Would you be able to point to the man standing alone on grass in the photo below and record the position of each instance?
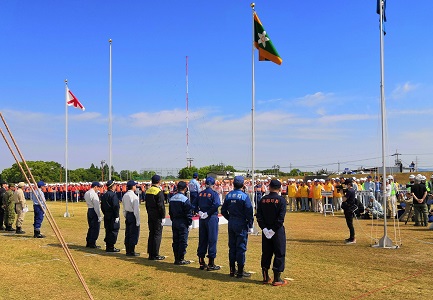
(110, 208)
(38, 209)
(155, 218)
(20, 207)
(237, 209)
(180, 211)
(271, 211)
(94, 217)
(131, 212)
(349, 207)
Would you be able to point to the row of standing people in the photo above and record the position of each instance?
(237, 209)
(14, 205)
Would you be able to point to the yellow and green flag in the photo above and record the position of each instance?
(263, 43)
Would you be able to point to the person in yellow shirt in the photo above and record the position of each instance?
(298, 195)
(303, 191)
(317, 200)
(328, 187)
(292, 189)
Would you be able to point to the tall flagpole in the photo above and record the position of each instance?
(110, 120)
(66, 214)
(188, 159)
(253, 97)
(385, 241)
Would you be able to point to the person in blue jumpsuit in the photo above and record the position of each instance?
(194, 189)
(237, 209)
(207, 206)
(179, 209)
(38, 208)
(271, 211)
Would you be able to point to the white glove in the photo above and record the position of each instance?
(271, 234)
(116, 220)
(100, 219)
(204, 216)
(200, 213)
(265, 232)
(162, 222)
(137, 224)
(251, 230)
(189, 227)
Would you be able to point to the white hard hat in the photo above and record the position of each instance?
(390, 177)
(413, 176)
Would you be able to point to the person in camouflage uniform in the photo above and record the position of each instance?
(8, 205)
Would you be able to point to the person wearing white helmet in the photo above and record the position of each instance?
(419, 194)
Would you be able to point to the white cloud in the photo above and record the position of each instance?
(345, 117)
(403, 89)
(315, 99)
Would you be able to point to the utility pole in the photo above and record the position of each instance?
(102, 169)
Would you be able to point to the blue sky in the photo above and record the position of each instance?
(320, 107)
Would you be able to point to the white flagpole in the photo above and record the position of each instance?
(110, 121)
(385, 241)
(253, 100)
(66, 214)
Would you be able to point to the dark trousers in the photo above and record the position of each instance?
(180, 238)
(132, 231)
(2, 215)
(193, 200)
(276, 246)
(208, 236)
(155, 236)
(111, 231)
(94, 226)
(349, 221)
(39, 216)
(238, 239)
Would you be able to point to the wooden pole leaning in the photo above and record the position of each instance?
(47, 212)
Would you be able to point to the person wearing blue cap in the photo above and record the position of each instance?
(131, 212)
(94, 217)
(238, 210)
(271, 210)
(207, 205)
(154, 199)
(39, 207)
(194, 189)
(110, 208)
(179, 209)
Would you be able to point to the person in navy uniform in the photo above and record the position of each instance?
(238, 210)
(3, 185)
(39, 209)
(110, 208)
(194, 189)
(94, 217)
(207, 206)
(179, 209)
(155, 218)
(271, 211)
(131, 212)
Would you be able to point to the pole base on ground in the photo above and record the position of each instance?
(385, 242)
(66, 215)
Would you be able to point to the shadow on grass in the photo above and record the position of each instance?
(164, 265)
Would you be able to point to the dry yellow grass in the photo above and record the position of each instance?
(321, 266)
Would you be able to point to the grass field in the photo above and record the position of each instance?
(320, 264)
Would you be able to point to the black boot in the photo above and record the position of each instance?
(203, 265)
(37, 234)
(232, 269)
(266, 278)
(241, 272)
(132, 251)
(19, 230)
(211, 265)
(277, 279)
(111, 248)
(9, 228)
